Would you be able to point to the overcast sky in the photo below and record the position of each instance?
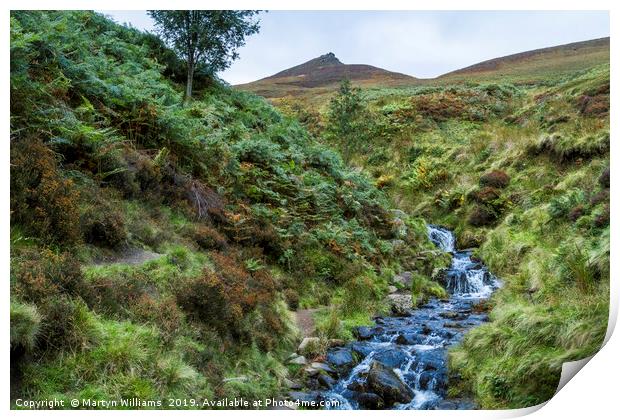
(418, 43)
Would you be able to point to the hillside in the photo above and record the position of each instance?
(314, 81)
(157, 249)
(521, 175)
(168, 251)
(535, 65)
(323, 74)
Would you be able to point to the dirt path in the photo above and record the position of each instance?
(133, 256)
(305, 321)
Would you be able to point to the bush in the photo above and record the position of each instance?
(224, 298)
(603, 180)
(25, 325)
(495, 179)
(67, 325)
(481, 216)
(292, 299)
(102, 224)
(42, 200)
(37, 274)
(208, 237)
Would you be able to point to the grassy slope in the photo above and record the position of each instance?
(249, 212)
(545, 232)
(542, 66)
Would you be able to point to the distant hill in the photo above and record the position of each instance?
(324, 72)
(319, 77)
(536, 64)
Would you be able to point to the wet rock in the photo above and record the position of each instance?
(432, 359)
(326, 381)
(314, 398)
(299, 360)
(363, 333)
(452, 315)
(292, 384)
(453, 325)
(341, 359)
(426, 330)
(392, 358)
(400, 304)
(322, 367)
(361, 349)
(357, 386)
(384, 382)
(370, 401)
(456, 404)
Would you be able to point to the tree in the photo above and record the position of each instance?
(207, 38)
(345, 119)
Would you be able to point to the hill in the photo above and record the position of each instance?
(314, 81)
(323, 74)
(532, 66)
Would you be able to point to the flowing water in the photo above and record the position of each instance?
(415, 346)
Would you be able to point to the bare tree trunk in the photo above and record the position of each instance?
(190, 81)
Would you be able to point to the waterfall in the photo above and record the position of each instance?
(442, 238)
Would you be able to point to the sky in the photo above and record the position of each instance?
(423, 44)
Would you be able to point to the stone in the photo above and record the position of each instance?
(326, 381)
(335, 342)
(400, 304)
(292, 384)
(392, 289)
(299, 360)
(322, 367)
(341, 358)
(370, 401)
(391, 358)
(363, 333)
(384, 382)
(361, 349)
(312, 397)
(309, 345)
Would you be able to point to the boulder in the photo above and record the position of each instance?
(370, 401)
(341, 359)
(292, 384)
(361, 349)
(391, 358)
(326, 381)
(363, 333)
(299, 360)
(392, 289)
(384, 382)
(324, 367)
(309, 345)
(312, 397)
(400, 304)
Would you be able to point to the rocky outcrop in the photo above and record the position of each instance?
(384, 382)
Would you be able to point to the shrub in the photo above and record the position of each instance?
(208, 237)
(25, 325)
(67, 325)
(102, 224)
(225, 297)
(481, 216)
(292, 299)
(496, 179)
(601, 217)
(164, 313)
(560, 207)
(42, 200)
(39, 273)
(603, 180)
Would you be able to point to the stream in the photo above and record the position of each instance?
(411, 351)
